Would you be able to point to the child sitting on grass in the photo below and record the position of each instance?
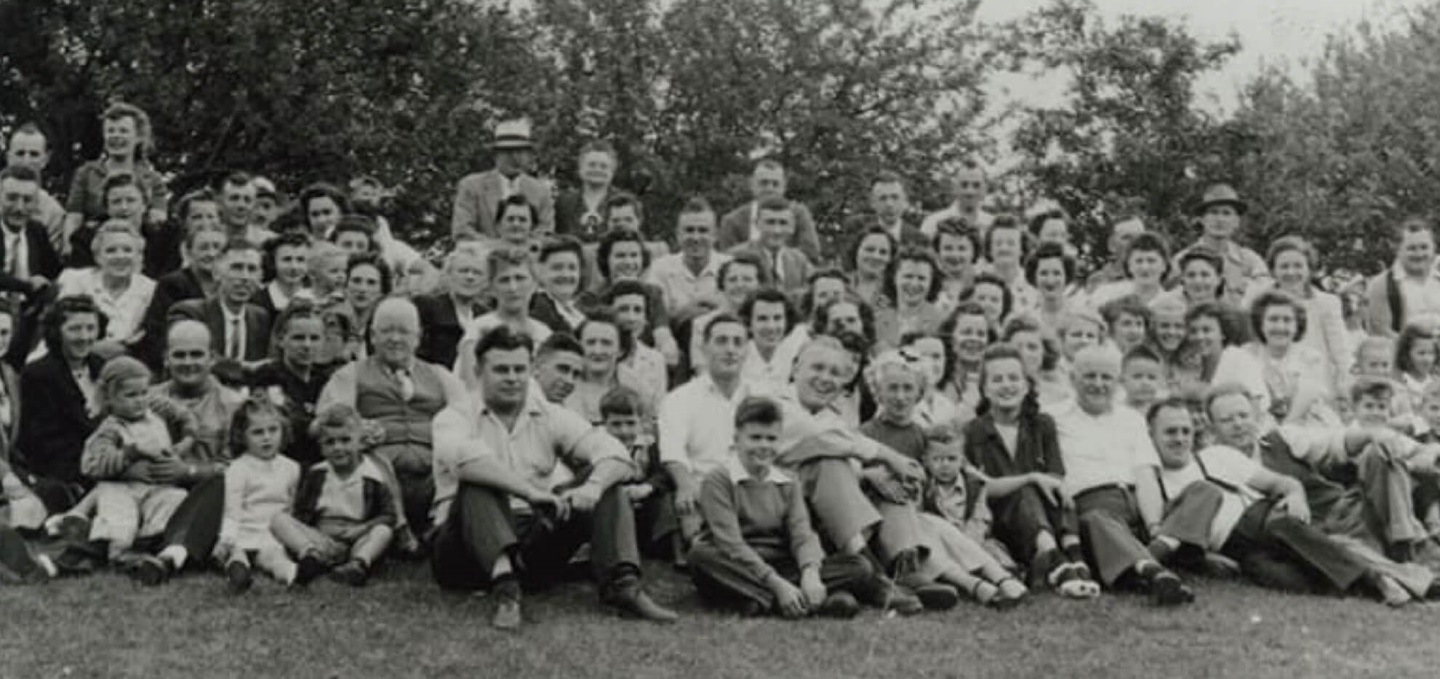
(137, 427)
(622, 411)
(259, 484)
(344, 516)
(957, 512)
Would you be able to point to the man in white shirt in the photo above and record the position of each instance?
(690, 276)
(507, 500)
(1106, 450)
(1358, 481)
(1220, 500)
(827, 456)
(695, 424)
(968, 191)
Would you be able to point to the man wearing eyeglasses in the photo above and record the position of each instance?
(968, 192)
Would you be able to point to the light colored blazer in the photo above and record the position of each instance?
(477, 196)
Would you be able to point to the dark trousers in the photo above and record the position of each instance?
(1189, 515)
(1024, 514)
(57, 496)
(1111, 530)
(723, 580)
(481, 528)
(656, 523)
(1277, 551)
(195, 525)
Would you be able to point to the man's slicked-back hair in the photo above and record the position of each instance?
(502, 338)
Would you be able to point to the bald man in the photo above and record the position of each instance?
(193, 525)
(403, 394)
(1105, 450)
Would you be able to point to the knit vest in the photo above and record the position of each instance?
(378, 398)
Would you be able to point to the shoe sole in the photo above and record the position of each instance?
(1169, 591)
(937, 598)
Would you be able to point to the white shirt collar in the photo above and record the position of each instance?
(738, 473)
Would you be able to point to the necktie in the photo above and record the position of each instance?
(12, 253)
(232, 343)
(407, 385)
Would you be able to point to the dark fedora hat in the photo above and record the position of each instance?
(1219, 194)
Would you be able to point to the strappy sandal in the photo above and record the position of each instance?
(1072, 581)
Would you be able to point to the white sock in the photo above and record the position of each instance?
(502, 568)
(176, 555)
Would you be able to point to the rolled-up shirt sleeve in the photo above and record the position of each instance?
(673, 429)
(580, 443)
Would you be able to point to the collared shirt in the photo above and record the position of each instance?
(981, 223)
(124, 313)
(819, 433)
(546, 446)
(1103, 450)
(696, 424)
(749, 519)
(343, 498)
(213, 408)
(282, 300)
(681, 287)
(775, 372)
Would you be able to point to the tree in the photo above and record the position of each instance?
(301, 92)
(1343, 158)
(1128, 134)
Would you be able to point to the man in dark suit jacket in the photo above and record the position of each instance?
(583, 212)
(30, 272)
(777, 222)
(889, 207)
(740, 225)
(239, 330)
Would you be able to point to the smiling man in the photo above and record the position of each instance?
(240, 330)
(402, 394)
(786, 267)
(823, 451)
(690, 276)
(1221, 501)
(1107, 452)
(500, 520)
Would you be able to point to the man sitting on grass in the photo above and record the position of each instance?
(499, 519)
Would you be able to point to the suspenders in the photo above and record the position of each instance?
(1165, 494)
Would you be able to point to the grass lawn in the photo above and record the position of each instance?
(403, 625)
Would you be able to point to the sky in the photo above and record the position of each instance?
(1271, 32)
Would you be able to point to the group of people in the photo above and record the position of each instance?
(257, 384)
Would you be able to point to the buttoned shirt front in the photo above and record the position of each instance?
(696, 424)
(1101, 450)
(682, 287)
(17, 253)
(546, 446)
